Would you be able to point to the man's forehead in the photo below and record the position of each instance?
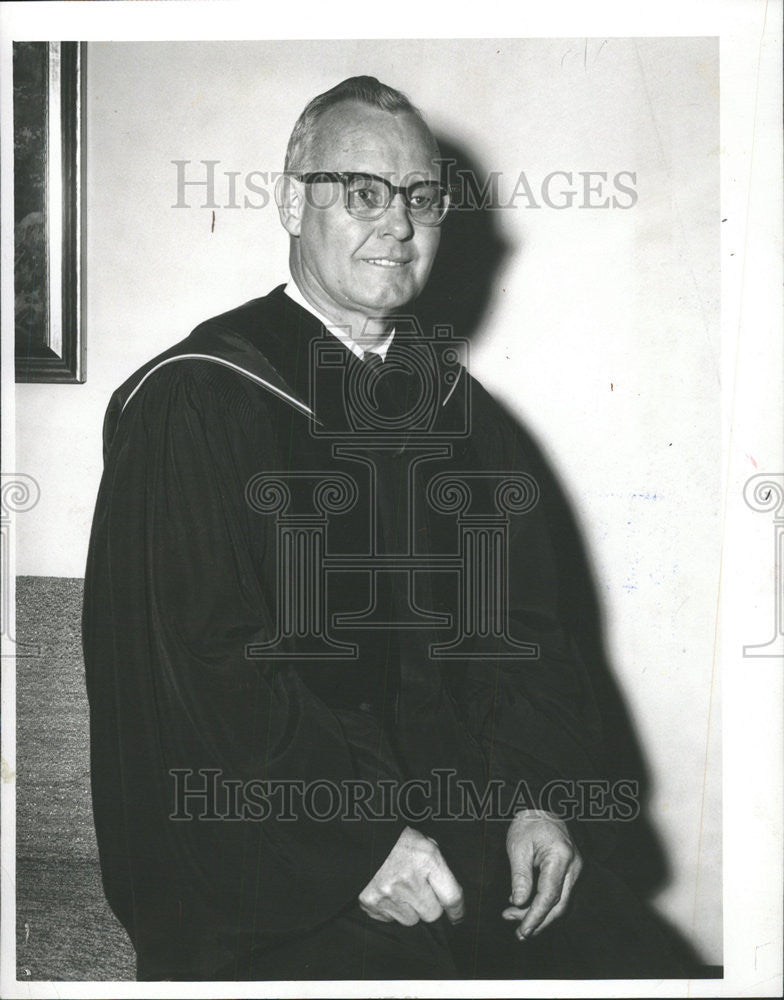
(352, 136)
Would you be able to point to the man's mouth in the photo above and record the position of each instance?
(385, 262)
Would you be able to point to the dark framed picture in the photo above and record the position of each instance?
(48, 91)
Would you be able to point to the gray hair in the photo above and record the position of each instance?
(364, 89)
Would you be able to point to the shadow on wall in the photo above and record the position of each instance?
(472, 251)
(462, 286)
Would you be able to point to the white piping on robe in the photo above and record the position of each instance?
(228, 364)
(454, 385)
(255, 378)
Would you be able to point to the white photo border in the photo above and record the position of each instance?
(751, 259)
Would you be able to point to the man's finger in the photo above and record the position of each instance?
(522, 884)
(569, 881)
(393, 903)
(549, 887)
(427, 905)
(522, 875)
(374, 912)
(403, 912)
(399, 910)
(418, 895)
(447, 890)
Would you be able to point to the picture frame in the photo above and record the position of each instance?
(48, 224)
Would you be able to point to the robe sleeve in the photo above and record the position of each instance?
(177, 586)
(537, 718)
(530, 724)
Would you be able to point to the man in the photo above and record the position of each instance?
(281, 588)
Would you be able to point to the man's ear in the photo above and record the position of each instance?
(290, 199)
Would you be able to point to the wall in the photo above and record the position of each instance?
(601, 332)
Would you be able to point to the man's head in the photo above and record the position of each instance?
(350, 268)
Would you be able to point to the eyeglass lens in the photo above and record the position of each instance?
(369, 197)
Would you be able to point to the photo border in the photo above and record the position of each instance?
(752, 781)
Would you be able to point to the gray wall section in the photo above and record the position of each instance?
(65, 929)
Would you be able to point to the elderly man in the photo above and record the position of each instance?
(281, 593)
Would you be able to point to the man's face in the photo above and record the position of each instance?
(350, 267)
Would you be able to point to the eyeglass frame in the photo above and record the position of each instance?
(345, 176)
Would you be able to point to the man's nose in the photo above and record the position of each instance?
(395, 221)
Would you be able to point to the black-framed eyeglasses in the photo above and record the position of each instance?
(368, 196)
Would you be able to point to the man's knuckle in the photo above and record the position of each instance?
(455, 897)
(559, 907)
(430, 849)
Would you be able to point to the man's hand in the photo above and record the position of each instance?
(413, 884)
(545, 866)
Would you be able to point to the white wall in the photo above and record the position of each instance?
(602, 332)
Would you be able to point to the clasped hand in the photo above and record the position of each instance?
(413, 884)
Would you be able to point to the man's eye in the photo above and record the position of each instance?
(424, 198)
(372, 197)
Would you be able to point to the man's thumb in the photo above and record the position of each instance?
(522, 883)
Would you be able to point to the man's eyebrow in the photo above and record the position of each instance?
(409, 177)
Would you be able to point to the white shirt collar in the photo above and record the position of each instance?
(293, 292)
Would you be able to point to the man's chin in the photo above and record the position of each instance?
(387, 301)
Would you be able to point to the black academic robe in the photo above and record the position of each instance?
(183, 583)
